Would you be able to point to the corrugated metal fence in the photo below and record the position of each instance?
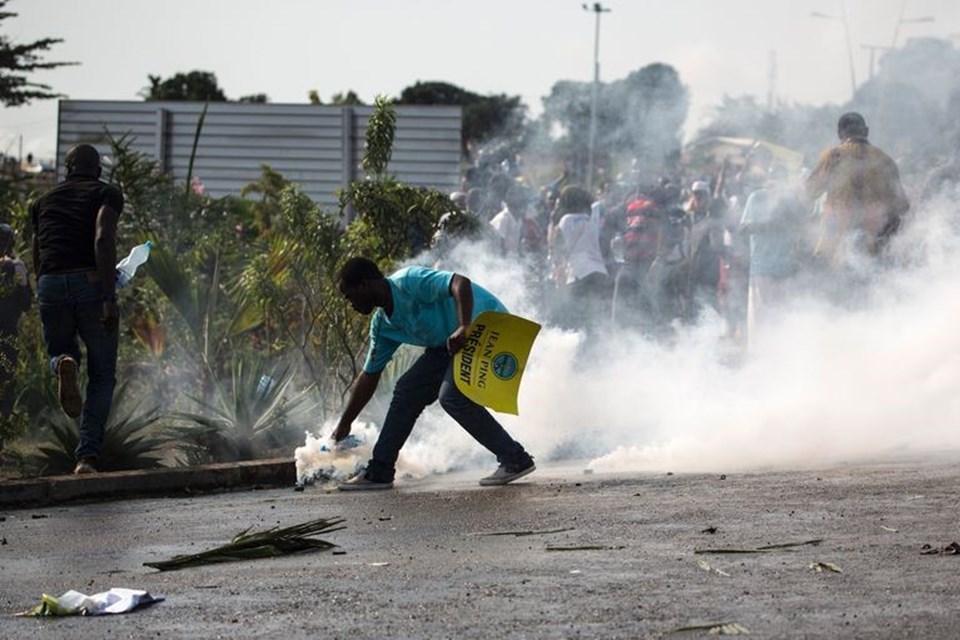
(317, 147)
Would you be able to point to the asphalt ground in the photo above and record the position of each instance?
(561, 554)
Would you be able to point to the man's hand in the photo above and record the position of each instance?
(457, 339)
(110, 316)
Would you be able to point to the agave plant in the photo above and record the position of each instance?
(132, 439)
(246, 418)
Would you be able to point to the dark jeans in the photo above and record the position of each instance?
(70, 306)
(431, 377)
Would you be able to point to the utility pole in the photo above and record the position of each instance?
(873, 48)
(772, 82)
(597, 9)
(846, 31)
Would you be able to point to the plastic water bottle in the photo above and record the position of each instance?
(265, 385)
(127, 267)
(352, 441)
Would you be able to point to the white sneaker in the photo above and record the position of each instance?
(505, 474)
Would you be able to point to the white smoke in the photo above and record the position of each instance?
(824, 383)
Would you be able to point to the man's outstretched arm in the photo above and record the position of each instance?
(360, 393)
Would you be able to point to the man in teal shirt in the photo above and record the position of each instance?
(431, 309)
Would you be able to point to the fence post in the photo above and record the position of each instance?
(349, 168)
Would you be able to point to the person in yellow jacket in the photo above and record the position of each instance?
(864, 197)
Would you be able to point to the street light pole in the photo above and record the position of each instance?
(902, 21)
(597, 9)
(846, 32)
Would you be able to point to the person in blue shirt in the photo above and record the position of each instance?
(432, 309)
(773, 219)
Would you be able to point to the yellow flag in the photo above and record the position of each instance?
(489, 367)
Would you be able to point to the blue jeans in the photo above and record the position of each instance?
(70, 306)
(431, 377)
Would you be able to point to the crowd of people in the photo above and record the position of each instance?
(648, 253)
(656, 253)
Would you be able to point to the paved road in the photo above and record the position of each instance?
(418, 565)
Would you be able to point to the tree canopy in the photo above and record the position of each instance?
(200, 86)
(638, 117)
(484, 117)
(19, 60)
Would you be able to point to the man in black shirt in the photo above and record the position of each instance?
(14, 300)
(75, 255)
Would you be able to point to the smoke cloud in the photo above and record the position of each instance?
(826, 382)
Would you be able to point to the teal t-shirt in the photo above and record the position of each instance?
(424, 313)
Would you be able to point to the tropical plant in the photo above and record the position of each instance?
(269, 187)
(198, 303)
(290, 291)
(247, 417)
(132, 439)
(395, 221)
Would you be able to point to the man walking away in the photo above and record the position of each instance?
(864, 201)
(75, 255)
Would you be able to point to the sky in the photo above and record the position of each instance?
(285, 48)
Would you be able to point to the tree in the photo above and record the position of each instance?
(653, 104)
(17, 60)
(339, 99)
(484, 117)
(908, 103)
(350, 98)
(200, 86)
(638, 117)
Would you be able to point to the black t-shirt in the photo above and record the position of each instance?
(65, 221)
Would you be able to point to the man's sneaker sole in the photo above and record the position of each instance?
(363, 485)
(68, 387)
(496, 481)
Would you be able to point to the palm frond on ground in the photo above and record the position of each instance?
(260, 544)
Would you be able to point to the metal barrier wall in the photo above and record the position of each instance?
(317, 147)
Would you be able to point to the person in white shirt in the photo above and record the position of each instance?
(508, 224)
(578, 266)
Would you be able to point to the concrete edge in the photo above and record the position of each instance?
(230, 476)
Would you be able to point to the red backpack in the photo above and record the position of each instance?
(641, 234)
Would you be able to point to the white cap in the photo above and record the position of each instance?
(700, 185)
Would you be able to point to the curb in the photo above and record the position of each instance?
(229, 476)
